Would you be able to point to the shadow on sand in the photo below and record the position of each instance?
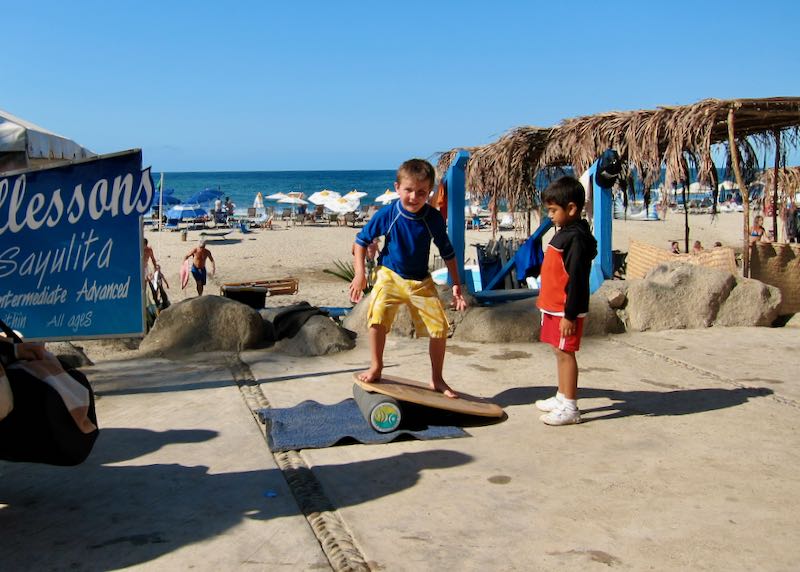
(100, 517)
(651, 403)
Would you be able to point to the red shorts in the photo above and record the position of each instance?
(551, 333)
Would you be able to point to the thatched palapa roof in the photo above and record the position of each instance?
(678, 137)
(788, 181)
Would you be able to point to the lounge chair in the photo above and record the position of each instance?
(506, 222)
(333, 217)
(172, 224)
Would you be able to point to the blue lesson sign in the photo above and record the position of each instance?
(71, 248)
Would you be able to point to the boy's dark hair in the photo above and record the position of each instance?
(417, 169)
(563, 191)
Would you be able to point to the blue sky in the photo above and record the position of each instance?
(205, 86)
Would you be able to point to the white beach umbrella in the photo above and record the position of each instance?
(276, 196)
(289, 200)
(293, 201)
(323, 196)
(387, 197)
(354, 195)
(258, 203)
(342, 205)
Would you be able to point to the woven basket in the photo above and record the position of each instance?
(643, 257)
(778, 264)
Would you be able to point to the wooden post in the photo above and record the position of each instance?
(734, 150)
(775, 186)
(685, 218)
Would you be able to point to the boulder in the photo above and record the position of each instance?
(793, 322)
(319, 336)
(603, 318)
(675, 295)
(751, 303)
(204, 324)
(615, 292)
(69, 355)
(517, 321)
(356, 320)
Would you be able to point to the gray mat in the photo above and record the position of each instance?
(311, 425)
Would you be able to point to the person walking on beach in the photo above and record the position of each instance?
(148, 256)
(199, 255)
(408, 226)
(564, 294)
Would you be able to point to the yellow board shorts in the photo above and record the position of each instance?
(420, 296)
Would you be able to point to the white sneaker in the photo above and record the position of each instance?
(548, 404)
(561, 416)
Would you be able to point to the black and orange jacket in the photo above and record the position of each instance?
(565, 271)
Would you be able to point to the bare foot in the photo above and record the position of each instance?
(371, 375)
(442, 387)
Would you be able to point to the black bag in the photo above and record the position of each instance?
(40, 429)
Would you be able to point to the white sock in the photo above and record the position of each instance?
(560, 396)
(571, 404)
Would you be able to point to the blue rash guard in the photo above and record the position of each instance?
(407, 238)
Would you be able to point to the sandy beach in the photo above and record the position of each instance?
(305, 251)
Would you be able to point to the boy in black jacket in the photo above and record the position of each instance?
(564, 295)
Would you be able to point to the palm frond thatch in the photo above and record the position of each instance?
(677, 137)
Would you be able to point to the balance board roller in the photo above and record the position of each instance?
(380, 401)
(382, 412)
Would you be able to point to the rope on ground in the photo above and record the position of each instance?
(330, 530)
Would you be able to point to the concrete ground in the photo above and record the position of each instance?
(687, 459)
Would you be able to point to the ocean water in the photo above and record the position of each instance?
(242, 187)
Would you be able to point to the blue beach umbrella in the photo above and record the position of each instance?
(205, 196)
(183, 212)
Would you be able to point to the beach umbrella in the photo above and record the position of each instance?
(323, 196)
(183, 212)
(289, 200)
(258, 202)
(165, 198)
(296, 194)
(342, 205)
(387, 197)
(276, 196)
(354, 195)
(205, 196)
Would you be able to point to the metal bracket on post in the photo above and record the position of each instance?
(455, 179)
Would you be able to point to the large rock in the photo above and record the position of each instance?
(204, 324)
(793, 322)
(318, 336)
(751, 303)
(70, 356)
(677, 296)
(356, 320)
(517, 321)
(603, 318)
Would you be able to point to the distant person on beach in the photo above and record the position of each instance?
(564, 294)
(698, 247)
(229, 207)
(758, 232)
(674, 248)
(408, 226)
(718, 244)
(148, 256)
(199, 255)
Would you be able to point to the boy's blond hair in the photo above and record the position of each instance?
(417, 169)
